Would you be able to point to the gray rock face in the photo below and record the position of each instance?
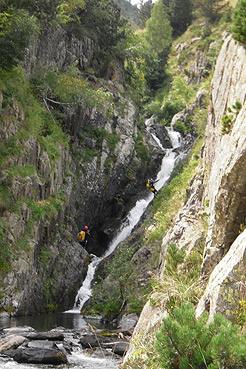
(67, 50)
(96, 190)
(226, 154)
(217, 193)
(226, 285)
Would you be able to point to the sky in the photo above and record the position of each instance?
(136, 2)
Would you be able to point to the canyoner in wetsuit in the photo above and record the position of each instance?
(151, 187)
(83, 236)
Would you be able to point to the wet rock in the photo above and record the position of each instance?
(11, 343)
(51, 336)
(120, 348)
(41, 344)
(128, 322)
(17, 330)
(88, 341)
(99, 353)
(40, 356)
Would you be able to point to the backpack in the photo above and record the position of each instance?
(81, 236)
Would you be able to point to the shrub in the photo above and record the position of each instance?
(16, 28)
(226, 124)
(239, 22)
(185, 342)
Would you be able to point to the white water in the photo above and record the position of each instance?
(131, 220)
(78, 360)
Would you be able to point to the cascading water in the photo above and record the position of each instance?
(77, 359)
(132, 218)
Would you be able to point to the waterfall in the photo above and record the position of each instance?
(132, 218)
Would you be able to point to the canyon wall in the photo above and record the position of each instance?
(92, 180)
(214, 212)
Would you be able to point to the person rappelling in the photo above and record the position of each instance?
(83, 236)
(151, 187)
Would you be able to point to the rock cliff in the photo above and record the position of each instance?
(51, 186)
(213, 214)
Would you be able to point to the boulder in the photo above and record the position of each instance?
(89, 340)
(37, 356)
(120, 348)
(128, 322)
(11, 343)
(17, 330)
(51, 336)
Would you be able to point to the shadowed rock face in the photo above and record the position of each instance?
(98, 189)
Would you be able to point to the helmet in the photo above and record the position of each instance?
(151, 179)
(86, 228)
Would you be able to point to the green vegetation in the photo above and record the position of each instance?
(180, 15)
(239, 22)
(117, 287)
(38, 124)
(227, 121)
(210, 9)
(5, 252)
(240, 313)
(16, 30)
(180, 282)
(185, 342)
(20, 20)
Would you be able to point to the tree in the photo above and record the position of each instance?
(158, 37)
(158, 30)
(209, 8)
(41, 9)
(145, 12)
(185, 342)
(104, 21)
(179, 14)
(16, 29)
(239, 22)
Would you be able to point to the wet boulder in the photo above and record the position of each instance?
(120, 348)
(50, 336)
(34, 355)
(11, 343)
(90, 341)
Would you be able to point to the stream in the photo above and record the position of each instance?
(72, 319)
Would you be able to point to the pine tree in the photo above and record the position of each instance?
(209, 8)
(158, 37)
(185, 342)
(158, 30)
(179, 14)
(239, 22)
(145, 12)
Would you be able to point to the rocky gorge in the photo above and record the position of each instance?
(92, 176)
(83, 159)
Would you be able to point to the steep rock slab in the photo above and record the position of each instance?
(225, 154)
(227, 282)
